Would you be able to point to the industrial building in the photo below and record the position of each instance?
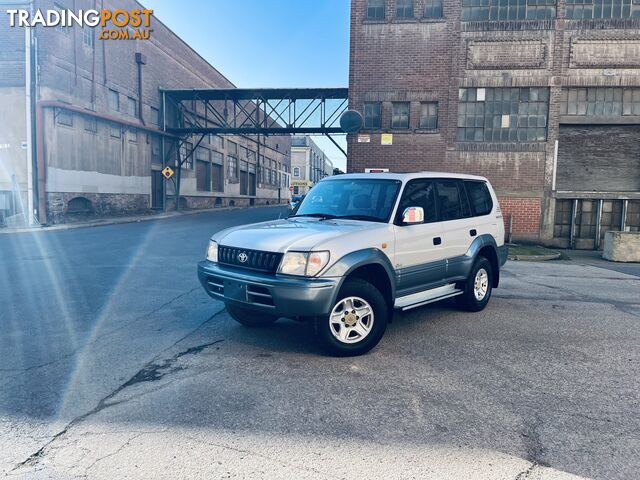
(86, 137)
(540, 96)
(309, 164)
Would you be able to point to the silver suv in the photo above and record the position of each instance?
(356, 248)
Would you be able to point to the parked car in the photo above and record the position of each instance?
(294, 202)
(358, 247)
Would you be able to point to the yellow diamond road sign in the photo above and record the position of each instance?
(167, 172)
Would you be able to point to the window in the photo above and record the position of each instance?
(296, 172)
(503, 114)
(115, 130)
(372, 199)
(232, 147)
(90, 124)
(373, 115)
(203, 176)
(155, 116)
(419, 193)
(429, 115)
(64, 117)
(87, 37)
(600, 102)
(133, 135)
(216, 141)
(233, 167)
(400, 115)
(479, 197)
(474, 10)
(452, 200)
(132, 107)
(577, 9)
(433, 9)
(375, 10)
(404, 8)
(114, 100)
(217, 157)
(187, 149)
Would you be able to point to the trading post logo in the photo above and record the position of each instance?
(113, 24)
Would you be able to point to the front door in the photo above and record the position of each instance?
(420, 261)
(157, 189)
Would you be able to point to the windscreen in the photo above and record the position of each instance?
(359, 199)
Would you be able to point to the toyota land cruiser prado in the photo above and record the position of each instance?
(356, 248)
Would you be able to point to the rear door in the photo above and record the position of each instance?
(419, 254)
(481, 207)
(457, 224)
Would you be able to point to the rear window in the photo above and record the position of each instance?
(479, 197)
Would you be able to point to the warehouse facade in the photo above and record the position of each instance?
(98, 147)
(540, 96)
(309, 164)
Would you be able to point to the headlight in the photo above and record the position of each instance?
(303, 263)
(212, 251)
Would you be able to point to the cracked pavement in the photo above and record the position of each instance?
(116, 365)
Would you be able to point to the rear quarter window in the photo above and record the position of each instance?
(479, 197)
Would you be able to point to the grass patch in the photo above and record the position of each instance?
(515, 250)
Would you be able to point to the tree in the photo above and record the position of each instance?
(337, 171)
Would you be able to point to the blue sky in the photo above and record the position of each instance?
(268, 43)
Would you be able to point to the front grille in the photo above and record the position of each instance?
(256, 259)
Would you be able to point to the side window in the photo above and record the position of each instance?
(452, 200)
(480, 198)
(419, 193)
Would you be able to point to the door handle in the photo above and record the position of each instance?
(437, 241)
(473, 232)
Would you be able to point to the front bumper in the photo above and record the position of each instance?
(281, 295)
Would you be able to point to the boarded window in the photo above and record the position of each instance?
(114, 100)
(64, 117)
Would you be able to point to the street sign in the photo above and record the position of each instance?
(167, 172)
(291, 189)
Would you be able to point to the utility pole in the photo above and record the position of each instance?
(30, 98)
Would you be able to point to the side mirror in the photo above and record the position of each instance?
(413, 215)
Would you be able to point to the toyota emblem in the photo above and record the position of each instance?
(243, 257)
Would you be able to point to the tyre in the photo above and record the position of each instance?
(248, 317)
(357, 320)
(478, 287)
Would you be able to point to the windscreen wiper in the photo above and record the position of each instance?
(322, 216)
(359, 217)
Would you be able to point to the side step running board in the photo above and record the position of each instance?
(428, 296)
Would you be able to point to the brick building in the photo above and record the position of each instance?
(309, 164)
(97, 144)
(540, 96)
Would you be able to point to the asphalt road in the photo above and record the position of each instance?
(114, 364)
